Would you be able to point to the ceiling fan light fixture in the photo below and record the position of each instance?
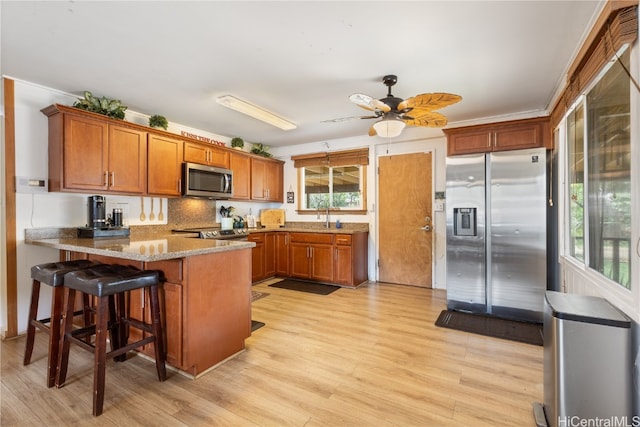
(254, 111)
(389, 127)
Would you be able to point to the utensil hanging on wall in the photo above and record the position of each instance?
(152, 216)
(161, 213)
(142, 215)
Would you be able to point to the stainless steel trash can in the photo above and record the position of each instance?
(587, 361)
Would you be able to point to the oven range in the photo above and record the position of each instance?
(216, 233)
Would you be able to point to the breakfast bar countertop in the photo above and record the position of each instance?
(143, 247)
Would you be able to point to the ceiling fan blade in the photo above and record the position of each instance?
(369, 103)
(372, 131)
(427, 119)
(344, 119)
(429, 101)
(379, 105)
(362, 100)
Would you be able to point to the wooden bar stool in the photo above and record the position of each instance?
(52, 274)
(109, 283)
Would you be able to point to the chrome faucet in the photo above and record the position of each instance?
(326, 224)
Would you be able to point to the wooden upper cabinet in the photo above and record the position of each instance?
(267, 180)
(165, 166)
(513, 135)
(240, 165)
(127, 160)
(206, 154)
(92, 154)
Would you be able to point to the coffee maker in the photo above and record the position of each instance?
(96, 212)
(98, 225)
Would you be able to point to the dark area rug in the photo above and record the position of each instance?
(255, 295)
(255, 325)
(313, 288)
(530, 333)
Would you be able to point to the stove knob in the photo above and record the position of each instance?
(241, 231)
(213, 233)
(208, 234)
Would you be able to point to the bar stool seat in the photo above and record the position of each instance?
(109, 283)
(52, 274)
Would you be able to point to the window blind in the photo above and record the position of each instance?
(358, 156)
(617, 28)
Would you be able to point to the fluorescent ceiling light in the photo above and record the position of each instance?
(389, 127)
(255, 112)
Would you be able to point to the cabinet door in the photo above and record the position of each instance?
(274, 180)
(299, 257)
(195, 153)
(85, 154)
(343, 265)
(269, 255)
(517, 137)
(172, 323)
(218, 157)
(258, 179)
(127, 160)
(240, 164)
(257, 257)
(469, 142)
(322, 263)
(165, 163)
(282, 254)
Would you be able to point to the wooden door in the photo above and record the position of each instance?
(241, 166)
(282, 254)
(269, 254)
(127, 160)
(258, 177)
(86, 150)
(165, 163)
(404, 199)
(274, 178)
(321, 262)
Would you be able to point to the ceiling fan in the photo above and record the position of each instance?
(396, 113)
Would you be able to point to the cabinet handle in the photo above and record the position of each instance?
(489, 140)
(106, 178)
(495, 140)
(179, 185)
(113, 179)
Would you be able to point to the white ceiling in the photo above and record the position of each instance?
(300, 59)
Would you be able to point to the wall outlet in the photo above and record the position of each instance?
(31, 185)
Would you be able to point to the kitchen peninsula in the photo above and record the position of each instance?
(206, 293)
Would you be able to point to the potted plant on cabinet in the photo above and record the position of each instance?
(237, 143)
(109, 107)
(158, 121)
(260, 149)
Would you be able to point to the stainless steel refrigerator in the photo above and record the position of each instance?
(496, 233)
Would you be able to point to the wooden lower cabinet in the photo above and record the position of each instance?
(257, 257)
(193, 300)
(322, 257)
(282, 254)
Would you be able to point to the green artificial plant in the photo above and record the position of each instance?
(158, 121)
(237, 142)
(260, 149)
(109, 107)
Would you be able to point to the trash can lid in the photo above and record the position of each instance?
(586, 309)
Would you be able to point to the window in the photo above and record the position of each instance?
(332, 180)
(599, 181)
(575, 151)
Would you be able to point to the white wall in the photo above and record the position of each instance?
(377, 147)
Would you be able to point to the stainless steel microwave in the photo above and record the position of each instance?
(206, 181)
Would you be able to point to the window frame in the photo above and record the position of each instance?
(338, 159)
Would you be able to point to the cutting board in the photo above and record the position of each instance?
(272, 218)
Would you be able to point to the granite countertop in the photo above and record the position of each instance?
(145, 247)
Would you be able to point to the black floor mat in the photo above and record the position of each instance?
(530, 333)
(297, 285)
(255, 325)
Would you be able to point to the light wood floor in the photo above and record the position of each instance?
(365, 357)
